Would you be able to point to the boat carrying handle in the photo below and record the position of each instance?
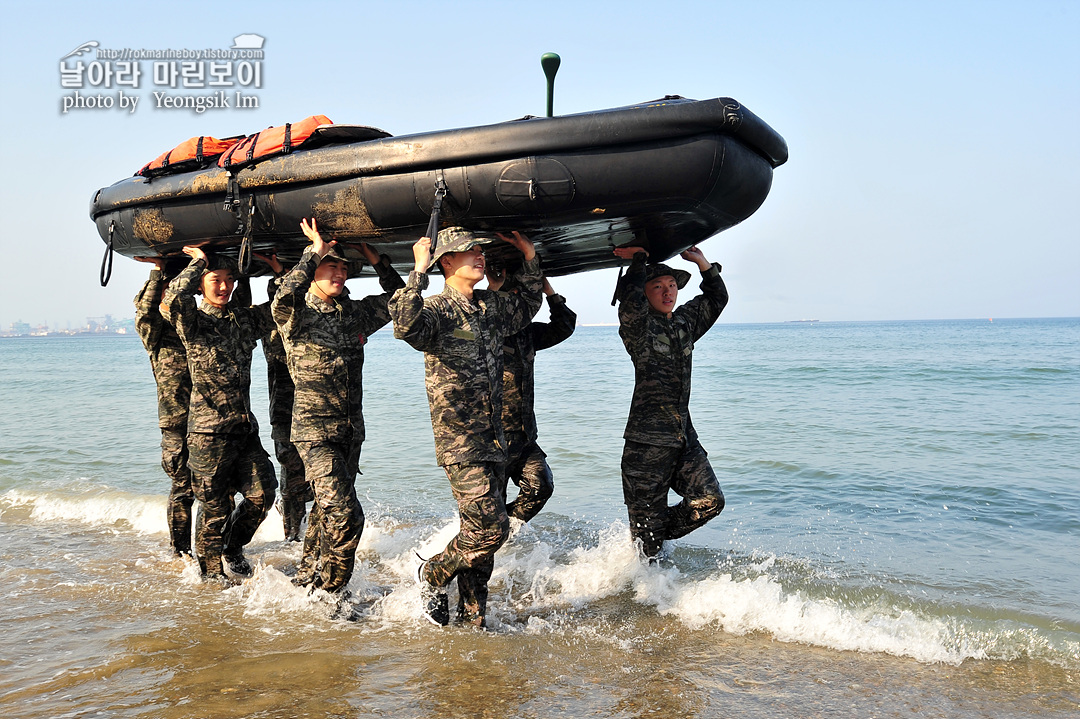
(107, 260)
(436, 209)
(243, 258)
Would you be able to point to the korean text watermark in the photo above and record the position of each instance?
(186, 79)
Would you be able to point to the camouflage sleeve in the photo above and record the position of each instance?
(702, 312)
(389, 279)
(263, 320)
(372, 313)
(178, 307)
(148, 321)
(241, 296)
(271, 293)
(633, 305)
(561, 326)
(291, 289)
(256, 320)
(523, 306)
(413, 322)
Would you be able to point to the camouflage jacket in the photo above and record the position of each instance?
(662, 351)
(278, 380)
(219, 343)
(462, 341)
(167, 356)
(519, 357)
(325, 342)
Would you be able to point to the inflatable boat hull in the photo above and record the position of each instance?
(667, 175)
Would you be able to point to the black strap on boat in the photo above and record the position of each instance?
(243, 259)
(251, 148)
(106, 261)
(618, 286)
(232, 194)
(436, 208)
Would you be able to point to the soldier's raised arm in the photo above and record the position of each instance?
(412, 323)
(562, 324)
(178, 306)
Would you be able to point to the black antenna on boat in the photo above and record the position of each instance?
(550, 62)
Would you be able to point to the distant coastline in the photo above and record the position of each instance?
(95, 327)
(66, 333)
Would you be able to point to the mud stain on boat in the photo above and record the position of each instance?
(151, 227)
(344, 211)
(209, 182)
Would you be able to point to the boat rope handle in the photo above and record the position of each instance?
(106, 261)
(243, 259)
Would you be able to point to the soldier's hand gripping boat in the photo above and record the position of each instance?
(665, 174)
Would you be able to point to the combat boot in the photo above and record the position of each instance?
(434, 604)
(238, 564)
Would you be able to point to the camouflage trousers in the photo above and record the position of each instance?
(174, 458)
(295, 490)
(222, 465)
(528, 468)
(470, 555)
(648, 473)
(337, 519)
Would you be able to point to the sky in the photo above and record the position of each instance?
(934, 146)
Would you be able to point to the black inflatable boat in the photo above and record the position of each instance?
(667, 174)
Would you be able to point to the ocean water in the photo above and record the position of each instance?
(900, 539)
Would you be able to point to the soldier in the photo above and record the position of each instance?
(461, 333)
(294, 489)
(224, 451)
(324, 332)
(169, 364)
(526, 463)
(662, 451)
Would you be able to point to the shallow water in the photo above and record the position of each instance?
(899, 539)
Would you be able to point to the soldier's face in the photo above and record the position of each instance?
(661, 293)
(217, 287)
(468, 265)
(330, 278)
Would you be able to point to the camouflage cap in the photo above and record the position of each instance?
(336, 252)
(216, 262)
(455, 239)
(659, 269)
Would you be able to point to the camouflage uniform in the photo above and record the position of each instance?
(294, 489)
(526, 463)
(224, 451)
(462, 342)
(325, 342)
(169, 363)
(662, 451)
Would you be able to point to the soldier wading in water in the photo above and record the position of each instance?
(294, 491)
(169, 363)
(526, 462)
(662, 451)
(461, 333)
(224, 451)
(324, 332)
